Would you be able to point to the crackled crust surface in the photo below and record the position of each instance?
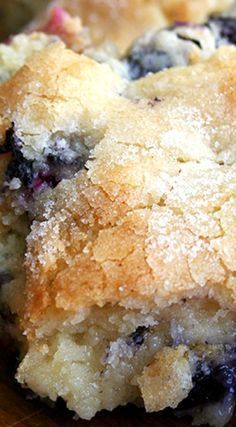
(118, 218)
(151, 219)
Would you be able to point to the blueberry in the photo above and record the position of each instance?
(43, 178)
(35, 175)
(147, 59)
(8, 146)
(211, 383)
(226, 29)
(226, 376)
(18, 167)
(172, 47)
(153, 52)
(137, 337)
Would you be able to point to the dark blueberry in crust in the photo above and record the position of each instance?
(137, 337)
(135, 340)
(38, 175)
(226, 376)
(154, 54)
(22, 169)
(19, 167)
(147, 59)
(211, 384)
(226, 29)
(44, 178)
(206, 389)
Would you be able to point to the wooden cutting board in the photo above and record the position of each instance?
(16, 410)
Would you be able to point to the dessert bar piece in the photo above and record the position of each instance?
(118, 221)
(130, 259)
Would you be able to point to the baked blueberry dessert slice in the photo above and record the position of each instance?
(117, 219)
(127, 195)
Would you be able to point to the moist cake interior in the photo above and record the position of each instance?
(104, 353)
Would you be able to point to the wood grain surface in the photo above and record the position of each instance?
(17, 409)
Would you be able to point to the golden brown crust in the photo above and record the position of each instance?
(218, 103)
(152, 219)
(52, 83)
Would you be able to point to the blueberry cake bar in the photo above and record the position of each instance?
(118, 219)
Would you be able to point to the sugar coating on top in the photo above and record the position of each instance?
(151, 217)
